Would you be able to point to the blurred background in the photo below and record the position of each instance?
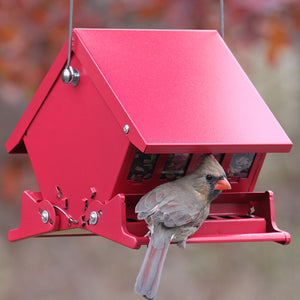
(265, 38)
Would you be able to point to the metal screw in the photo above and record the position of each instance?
(126, 128)
(45, 216)
(93, 218)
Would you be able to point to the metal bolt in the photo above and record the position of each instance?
(126, 128)
(66, 76)
(70, 75)
(45, 216)
(93, 218)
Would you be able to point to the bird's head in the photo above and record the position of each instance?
(212, 177)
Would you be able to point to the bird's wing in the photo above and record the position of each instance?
(149, 203)
(171, 205)
(176, 213)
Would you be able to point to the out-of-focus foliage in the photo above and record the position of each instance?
(32, 32)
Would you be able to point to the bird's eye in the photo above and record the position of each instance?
(209, 177)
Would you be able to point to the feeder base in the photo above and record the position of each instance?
(234, 217)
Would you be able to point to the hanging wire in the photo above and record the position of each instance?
(70, 75)
(70, 33)
(222, 17)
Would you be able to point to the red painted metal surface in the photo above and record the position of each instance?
(31, 223)
(180, 92)
(188, 86)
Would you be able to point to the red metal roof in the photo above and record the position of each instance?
(178, 90)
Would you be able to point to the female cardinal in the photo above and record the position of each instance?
(174, 211)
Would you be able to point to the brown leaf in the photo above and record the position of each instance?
(277, 39)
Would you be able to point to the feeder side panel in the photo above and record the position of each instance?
(74, 143)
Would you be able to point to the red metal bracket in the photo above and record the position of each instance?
(37, 217)
(109, 221)
(40, 216)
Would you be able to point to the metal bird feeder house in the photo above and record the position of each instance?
(148, 103)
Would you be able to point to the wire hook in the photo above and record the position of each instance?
(70, 75)
(69, 218)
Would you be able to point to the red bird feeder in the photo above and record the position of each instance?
(148, 103)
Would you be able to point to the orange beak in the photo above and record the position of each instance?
(222, 184)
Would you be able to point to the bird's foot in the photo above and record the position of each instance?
(182, 244)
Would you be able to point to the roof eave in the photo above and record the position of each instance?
(15, 143)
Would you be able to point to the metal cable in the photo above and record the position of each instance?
(70, 219)
(222, 17)
(70, 34)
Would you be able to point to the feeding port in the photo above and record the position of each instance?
(234, 216)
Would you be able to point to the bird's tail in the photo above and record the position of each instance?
(148, 279)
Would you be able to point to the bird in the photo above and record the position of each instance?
(173, 211)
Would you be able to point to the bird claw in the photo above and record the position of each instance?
(182, 244)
